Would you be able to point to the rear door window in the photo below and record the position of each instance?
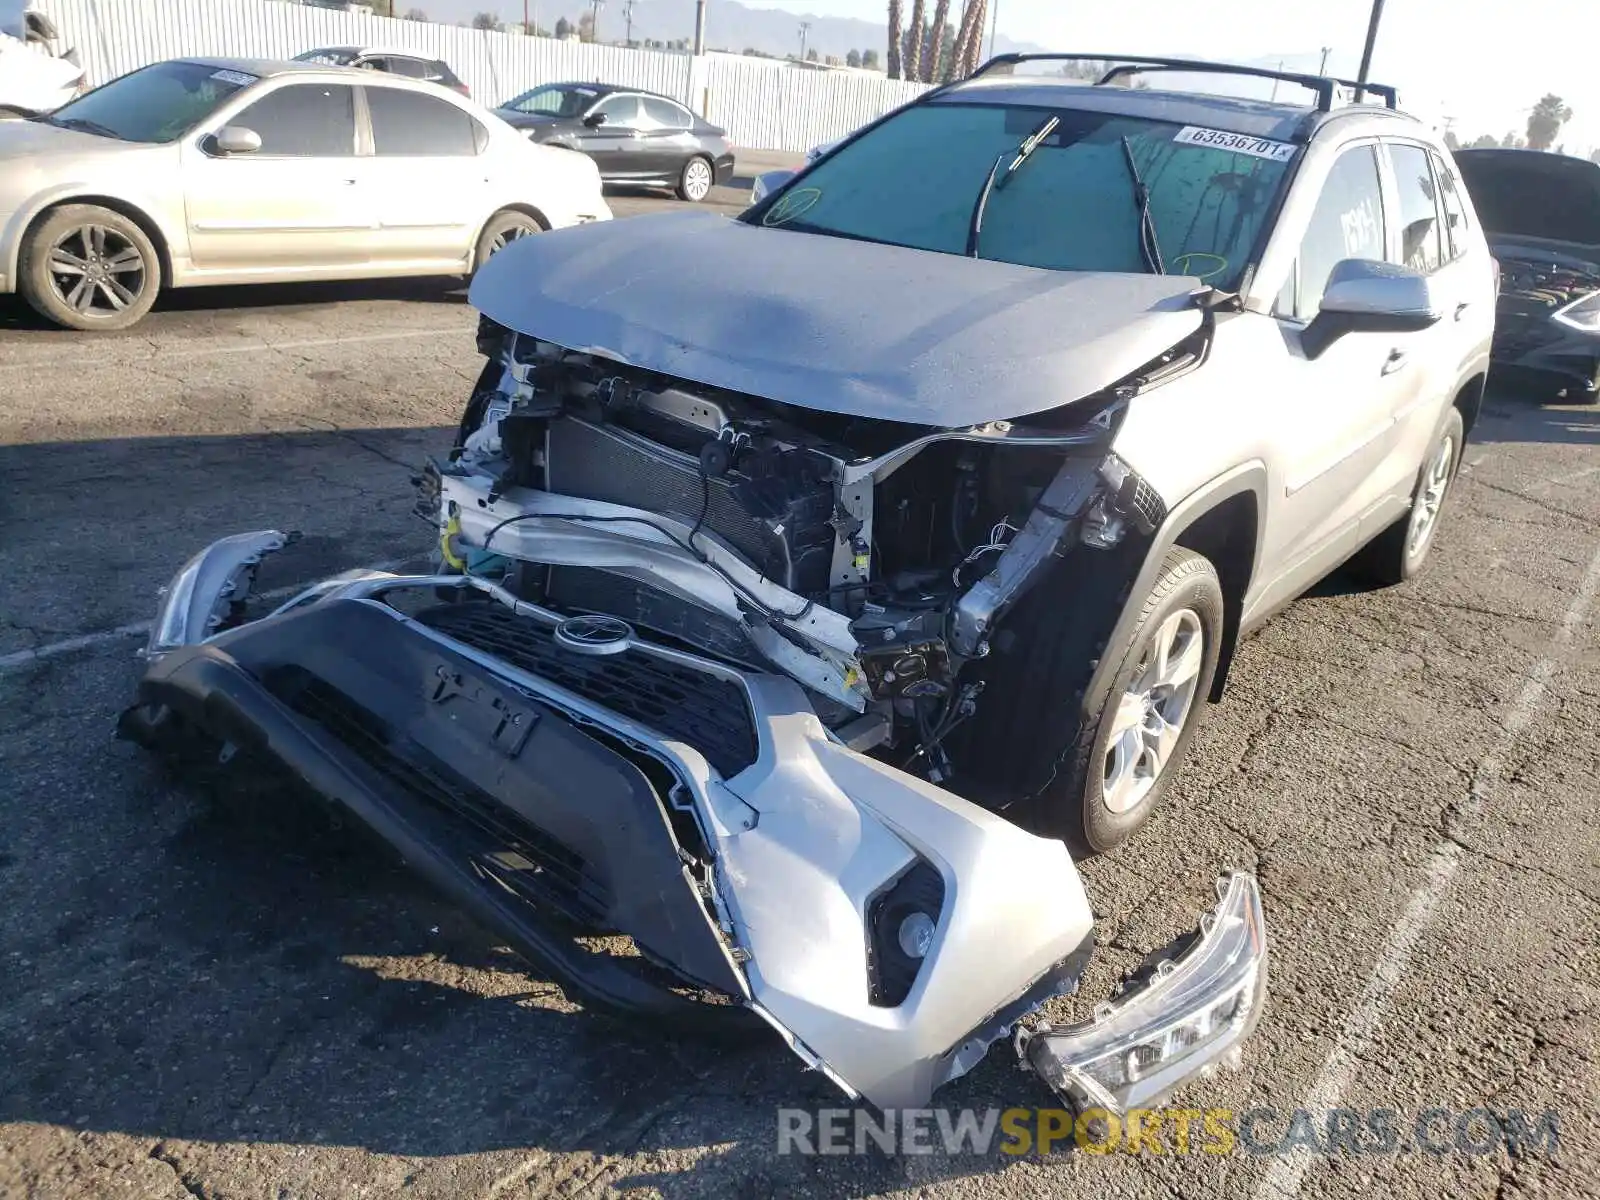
(409, 123)
(304, 120)
(1347, 223)
(1455, 213)
(1417, 195)
(663, 114)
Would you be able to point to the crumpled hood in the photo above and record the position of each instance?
(834, 324)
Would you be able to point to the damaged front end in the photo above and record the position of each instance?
(688, 672)
(563, 778)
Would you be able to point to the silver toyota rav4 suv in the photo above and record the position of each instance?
(814, 586)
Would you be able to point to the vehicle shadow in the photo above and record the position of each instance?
(285, 982)
(15, 313)
(1513, 414)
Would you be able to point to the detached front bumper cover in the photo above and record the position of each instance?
(402, 720)
(1191, 1016)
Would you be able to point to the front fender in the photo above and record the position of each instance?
(162, 213)
(1249, 478)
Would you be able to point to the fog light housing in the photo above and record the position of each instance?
(1190, 1017)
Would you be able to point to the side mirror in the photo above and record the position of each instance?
(236, 139)
(768, 182)
(595, 120)
(1366, 296)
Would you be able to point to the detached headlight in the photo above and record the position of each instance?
(1583, 314)
(1190, 1017)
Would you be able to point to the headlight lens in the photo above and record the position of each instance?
(1185, 1022)
(1581, 314)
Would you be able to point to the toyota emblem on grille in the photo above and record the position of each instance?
(594, 633)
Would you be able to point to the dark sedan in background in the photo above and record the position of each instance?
(1541, 215)
(633, 136)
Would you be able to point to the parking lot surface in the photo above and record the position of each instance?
(237, 1000)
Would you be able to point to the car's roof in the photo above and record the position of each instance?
(264, 68)
(391, 51)
(1234, 114)
(605, 89)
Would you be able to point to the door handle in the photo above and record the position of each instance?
(1462, 308)
(1397, 359)
(348, 182)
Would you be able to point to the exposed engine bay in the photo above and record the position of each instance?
(873, 561)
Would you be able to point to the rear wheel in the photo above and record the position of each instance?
(89, 268)
(694, 184)
(1399, 552)
(501, 230)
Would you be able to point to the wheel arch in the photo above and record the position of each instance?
(1221, 520)
(138, 215)
(516, 206)
(1469, 399)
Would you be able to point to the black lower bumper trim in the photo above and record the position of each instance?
(539, 829)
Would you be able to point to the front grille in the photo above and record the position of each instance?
(523, 857)
(705, 711)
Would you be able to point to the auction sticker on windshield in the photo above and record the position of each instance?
(238, 77)
(1239, 143)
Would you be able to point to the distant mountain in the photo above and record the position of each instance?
(729, 25)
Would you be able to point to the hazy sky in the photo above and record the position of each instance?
(1483, 64)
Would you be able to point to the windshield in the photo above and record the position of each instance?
(555, 100)
(1074, 205)
(153, 104)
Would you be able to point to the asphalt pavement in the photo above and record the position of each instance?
(240, 1000)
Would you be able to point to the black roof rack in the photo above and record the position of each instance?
(1138, 64)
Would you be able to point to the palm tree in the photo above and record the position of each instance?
(941, 14)
(892, 62)
(914, 37)
(969, 40)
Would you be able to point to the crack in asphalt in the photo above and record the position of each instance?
(1546, 873)
(1583, 519)
(161, 1154)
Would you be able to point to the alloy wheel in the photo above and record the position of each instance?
(97, 271)
(1153, 710)
(697, 179)
(507, 235)
(1430, 500)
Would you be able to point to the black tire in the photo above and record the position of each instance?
(1068, 734)
(1398, 554)
(89, 268)
(500, 230)
(696, 179)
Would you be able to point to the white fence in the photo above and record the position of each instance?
(761, 107)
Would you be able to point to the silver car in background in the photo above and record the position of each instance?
(229, 171)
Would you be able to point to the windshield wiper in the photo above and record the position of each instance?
(1020, 155)
(84, 125)
(1149, 247)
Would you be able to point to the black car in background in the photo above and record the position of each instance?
(1541, 215)
(397, 62)
(633, 136)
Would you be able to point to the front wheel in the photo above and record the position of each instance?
(90, 268)
(694, 184)
(1113, 753)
